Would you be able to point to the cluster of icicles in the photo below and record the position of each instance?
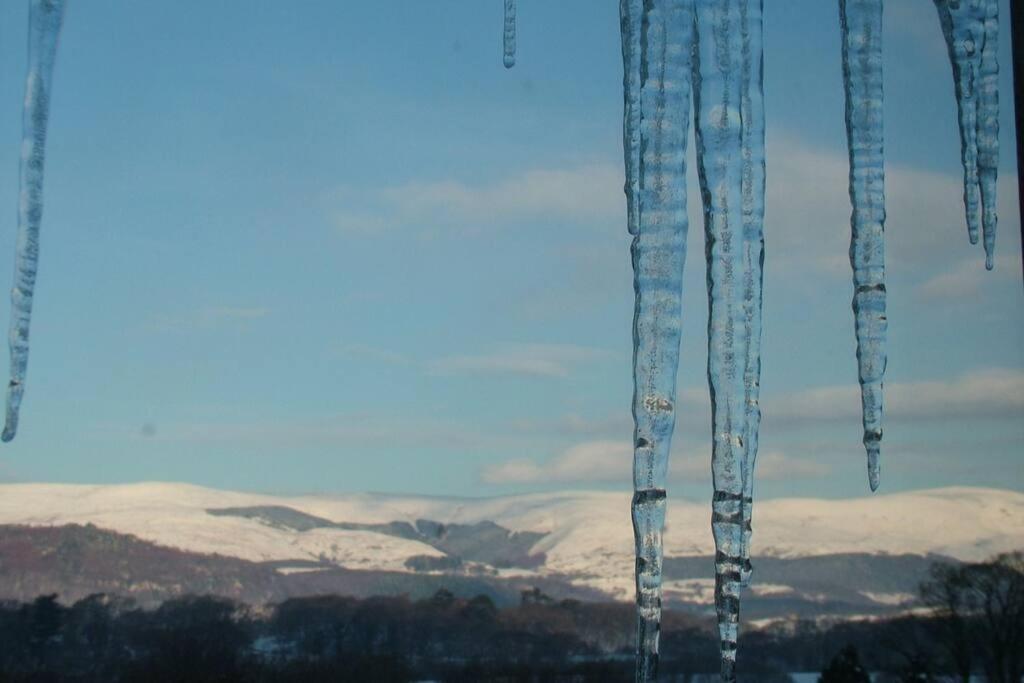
(709, 53)
(678, 52)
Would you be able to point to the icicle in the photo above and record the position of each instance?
(510, 34)
(861, 22)
(730, 154)
(971, 28)
(630, 12)
(45, 18)
(657, 37)
(753, 175)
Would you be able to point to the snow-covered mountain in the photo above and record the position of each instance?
(581, 538)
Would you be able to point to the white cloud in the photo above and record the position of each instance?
(576, 425)
(583, 193)
(342, 431)
(985, 393)
(808, 214)
(996, 393)
(777, 466)
(541, 360)
(612, 461)
(968, 279)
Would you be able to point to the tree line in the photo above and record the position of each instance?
(972, 623)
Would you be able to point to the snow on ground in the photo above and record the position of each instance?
(588, 533)
(894, 599)
(699, 591)
(175, 515)
(765, 589)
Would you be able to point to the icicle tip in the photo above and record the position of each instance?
(874, 470)
(746, 573)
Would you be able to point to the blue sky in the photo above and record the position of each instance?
(335, 246)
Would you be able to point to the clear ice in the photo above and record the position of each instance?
(657, 38)
(730, 157)
(753, 192)
(630, 13)
(45, 19)
(861, 22)
(715, 46)
(509, 38)
(971, 28)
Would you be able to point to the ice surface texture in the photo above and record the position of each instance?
(715, 46)
(657, 53)
(971, 28)
(861, 23)
(509, 37)
(45, 18)
(730, 155)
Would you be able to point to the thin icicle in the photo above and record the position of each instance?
(45, 18)
(753, 189)
(630, 12)
(988, 130)
(662, 57)
(730, 154)
(510, 34)
(971, 28)
(861, 22)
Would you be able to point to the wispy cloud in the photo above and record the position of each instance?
(808, 214)
(611, 461)
(536, 360)
(582, 193)
(208, 316)
(541, 360)
(575, 425)
(993, 393)
(968, 279)
(342, 431)
(996, 393)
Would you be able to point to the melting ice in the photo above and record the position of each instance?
(715, 45)
(971, 28)
(861, 23)
(657, 40)
(730, 156)
(509, 37)
(45, 18)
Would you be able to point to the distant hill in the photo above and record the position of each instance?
(857, 557)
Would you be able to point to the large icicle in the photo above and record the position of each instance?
(45, 18)
(861, 23)
(753, 193)
(971, 28)
(658, 37)
(509, 38)
(730, 154)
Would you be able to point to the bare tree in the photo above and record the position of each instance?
(982, 608)
(944, 592)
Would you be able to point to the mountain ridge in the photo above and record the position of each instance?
(573, 540)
